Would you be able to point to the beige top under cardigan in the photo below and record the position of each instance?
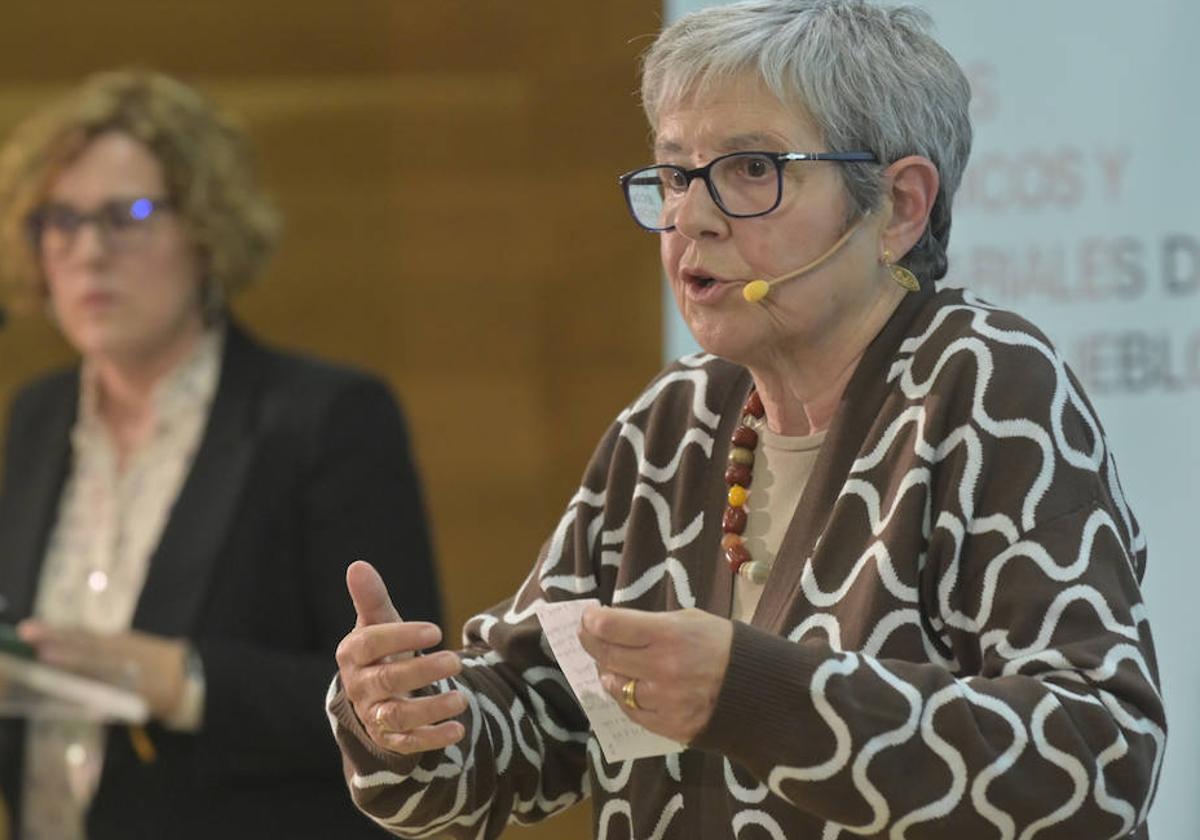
(110, 519)
(782, 465)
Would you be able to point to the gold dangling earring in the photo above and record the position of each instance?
(904, 278)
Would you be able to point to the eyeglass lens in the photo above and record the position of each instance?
(743, 184)
(55, 226)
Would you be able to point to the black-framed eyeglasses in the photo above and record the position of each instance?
(742, 184)
(122, 222)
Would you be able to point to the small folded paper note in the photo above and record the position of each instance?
(620, 738)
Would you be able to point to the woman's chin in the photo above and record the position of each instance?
(721, 339)
(102, 342)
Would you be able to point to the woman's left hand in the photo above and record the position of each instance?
(153, 666)
(678, 660)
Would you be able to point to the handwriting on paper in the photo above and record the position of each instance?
(620, 738)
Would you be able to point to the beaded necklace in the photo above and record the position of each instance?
(738, 475)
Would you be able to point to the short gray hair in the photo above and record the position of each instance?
(872, 78)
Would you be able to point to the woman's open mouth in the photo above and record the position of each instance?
(704, 288)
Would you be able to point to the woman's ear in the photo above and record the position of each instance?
(913, 187)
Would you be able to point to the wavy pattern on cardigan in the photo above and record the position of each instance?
(968, 610)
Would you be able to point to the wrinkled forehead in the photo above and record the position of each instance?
(739, 105)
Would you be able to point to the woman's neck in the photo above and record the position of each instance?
(801, 384)
(126, 386)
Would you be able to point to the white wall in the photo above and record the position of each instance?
(1081, 210)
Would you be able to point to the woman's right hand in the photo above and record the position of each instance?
(379, 672)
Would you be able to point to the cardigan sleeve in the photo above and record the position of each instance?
(1036, 709)
(524, 756)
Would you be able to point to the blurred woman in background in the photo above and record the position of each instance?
(178, 510)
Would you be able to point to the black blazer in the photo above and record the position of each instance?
(303, 467)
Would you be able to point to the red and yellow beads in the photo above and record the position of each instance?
(739, 474)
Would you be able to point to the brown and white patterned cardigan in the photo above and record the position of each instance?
(952, 643)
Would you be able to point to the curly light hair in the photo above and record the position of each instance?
(207, 167)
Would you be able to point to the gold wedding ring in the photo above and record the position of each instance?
(379, 722)
(629, 694)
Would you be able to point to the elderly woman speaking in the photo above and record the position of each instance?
(868, 558)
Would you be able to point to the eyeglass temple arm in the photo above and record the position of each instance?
(847, 157)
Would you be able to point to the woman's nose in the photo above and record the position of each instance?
(88, 243)
(697, 215)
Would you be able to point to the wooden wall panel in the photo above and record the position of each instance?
(448, 175)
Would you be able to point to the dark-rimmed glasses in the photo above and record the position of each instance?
(122, 223)
(742, 184)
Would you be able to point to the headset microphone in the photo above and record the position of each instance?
(756, 290)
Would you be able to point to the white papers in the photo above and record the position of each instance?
(620, 738)
(32, 689)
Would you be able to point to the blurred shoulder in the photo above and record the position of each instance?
(50, 393)
(305, 378)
